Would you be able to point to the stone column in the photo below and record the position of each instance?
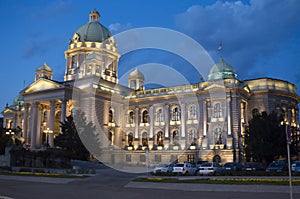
(228, 116)
(167, 120)
(51, 122)
(152, 119)
(33, 125)
(204, 118)
(63, 110)
(39, 130)
(25, 128)
(136, 121)
(183, 121)
(126, 140)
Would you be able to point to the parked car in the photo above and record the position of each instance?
(254, 166)
(184, 168)
(279, 166)
(296, 166)
(209, 168)
(198, 164)
(232, 166)
(163, 168)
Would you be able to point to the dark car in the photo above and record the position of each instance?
(254, 166)
(232, 166)
(279, 166)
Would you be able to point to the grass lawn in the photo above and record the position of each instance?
(237, 181)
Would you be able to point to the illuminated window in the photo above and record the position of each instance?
(192, 136)
(110, 116)
(218, 136)
(145, 116)
(192, 113)
(110, 137)
(130, 139)
(159, 115)
(217, 110)
(160, 138)
(175, 136)
(130, 117)
(145, 139)
(176, 114)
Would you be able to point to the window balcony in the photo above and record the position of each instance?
(144, 124)
(129, 125)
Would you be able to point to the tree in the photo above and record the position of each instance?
(265, 137)
(70, 140)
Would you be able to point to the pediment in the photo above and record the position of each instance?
(8, 110)
(42, 85)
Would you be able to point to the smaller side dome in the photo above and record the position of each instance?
(136, 80)
(44, 67)
(18, 101)
(222, 70)
(136, 74)
(43, 71)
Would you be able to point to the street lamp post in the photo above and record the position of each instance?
(288, 143)
(47, 132)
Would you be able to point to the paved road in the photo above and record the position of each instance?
(110, 184)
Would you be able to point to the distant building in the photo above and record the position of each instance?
(165, 120)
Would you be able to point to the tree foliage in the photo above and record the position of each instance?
(73, 130)
(265, 137)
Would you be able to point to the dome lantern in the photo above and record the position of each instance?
(94, 15)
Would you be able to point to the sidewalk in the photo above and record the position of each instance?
(213, 187)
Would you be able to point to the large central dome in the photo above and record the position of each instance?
(93, 31)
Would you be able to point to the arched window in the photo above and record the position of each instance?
(175, 136)
(217, 110)
(192, 113)
(130, 139)
(255, 112)
(110, 116)
(111, 138)
(130, 117)
(160, 138)
(218, 136)
(159, 115)
(192, 136)
(145, 139)
(176, 114)
(145, 117)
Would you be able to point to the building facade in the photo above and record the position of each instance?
(202, 121)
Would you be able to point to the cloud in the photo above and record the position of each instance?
(117, 27)
(54, 10)
(251, 33)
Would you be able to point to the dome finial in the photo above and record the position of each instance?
(220, 49)
(94, 15)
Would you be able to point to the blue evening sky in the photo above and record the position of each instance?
(261, 38)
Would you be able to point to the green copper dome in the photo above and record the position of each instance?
(221, 70)
(19, 100)
(93, 31)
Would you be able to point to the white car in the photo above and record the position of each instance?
(209, 168)
(163, 168)
(184, 168)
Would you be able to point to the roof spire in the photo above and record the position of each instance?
(220, 49)
(94, 15)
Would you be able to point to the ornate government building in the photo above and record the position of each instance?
(184, 123)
